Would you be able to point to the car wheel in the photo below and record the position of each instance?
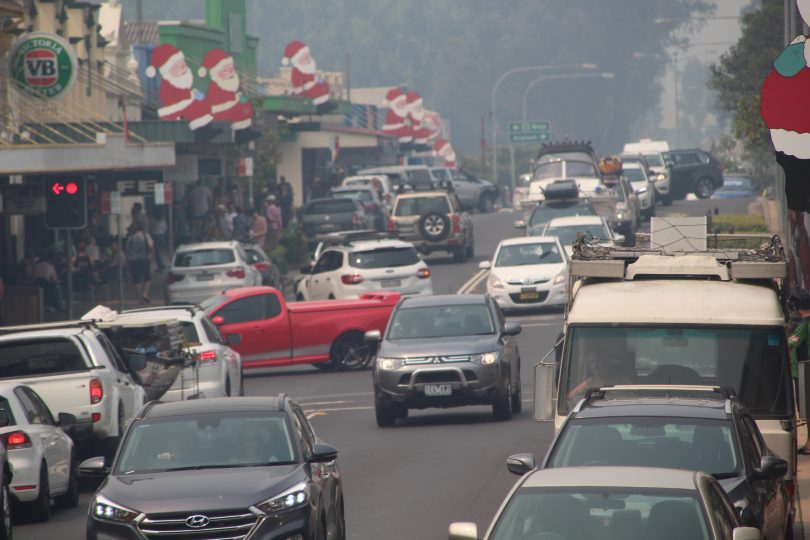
(386, 415)
(241, 384)
(340, 526)
(470, 251)
(299, 297)
(704, 187)
(486, 204)
(630, 239)
(325, 366)
(40, 509)
(666, 200)
(460, 254)
(6, 521)
(502, 406)
(330, 297)
(789, 530)
(517, 399)
(434, 226)
(227, 386)
(70, 499)
(350, 352)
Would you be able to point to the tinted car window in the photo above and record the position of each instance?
(330, 260)
(272, 306)
(717, 507)
(360, 194)
(383, 258)
(23, 358)
(420, 177)
(204, 257)
(211, 331)
(190, 331)
(441, 321)
(525, 254)
(441, 174)
(634, 175)
(6, 406)
(416, 206)
(332, 206)
(243, 310)
(45, 413)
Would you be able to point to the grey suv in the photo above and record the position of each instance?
(446, 351)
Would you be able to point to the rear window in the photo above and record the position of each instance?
(360, 194)
(332, 206)
(190, 331)
(416, 206)
(441, 174)
(31, 358)
(384, 258)
(204, 257)
(420, 177)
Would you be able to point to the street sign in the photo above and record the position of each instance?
(529, 132)
(529, 137)
(65, 203)
(159, 194)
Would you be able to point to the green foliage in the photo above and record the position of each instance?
(295, 244)
(739, 223)
(279, 256)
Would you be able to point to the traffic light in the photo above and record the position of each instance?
(66, 202)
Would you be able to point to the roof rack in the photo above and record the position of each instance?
(47, 326)
(656, 390)
(191, 308)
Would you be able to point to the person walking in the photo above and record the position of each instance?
(285, 200)
(200, 205)
(158, 229)
(274, 222)
(139, 250)
(242, 226)
(138, 217)
(44, 275)
(224, 225)
(258, 231)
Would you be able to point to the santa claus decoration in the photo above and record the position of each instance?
(443, 149)
(432, 121)
(305, 82)
(786, 112)
(396, 119)
(227, 103)
(416, 114)
(180, 101)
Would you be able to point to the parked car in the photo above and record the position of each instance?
(692, 428)
(371, 202)
(528, 272)
(75, 368)
(611, 502)
(321, 216)
(256, 256)
(414, 177)
(219, 468)
(217, 370)
(636, 175)
(267, 331)
(201, 270)
(361, 266)
(567, 229)
(433, 221)
(388, 190)
(446, 351)
(693, 171)
(41, 454)
(474, 194)
(735, 187)
(653, 154)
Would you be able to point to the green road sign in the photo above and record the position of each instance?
(43, 65)
(529, 127)
(529, 137)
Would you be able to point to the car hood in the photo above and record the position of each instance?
(194, 491)
(529, 271)
(414, 348)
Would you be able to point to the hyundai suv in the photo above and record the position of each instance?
(433, 221)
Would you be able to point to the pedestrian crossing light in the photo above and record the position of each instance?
(65, 203)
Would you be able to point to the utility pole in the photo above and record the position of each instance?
(483, 149)
(677, 103)
(348, 82)
(511, 174)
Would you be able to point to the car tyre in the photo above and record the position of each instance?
(434, 226)
(517, 399)
(325, 366)
(502, 406)
(241, 384)
(350, 352)
(40, 509)
(666, 200)
(340, 526)
(299, 297)
(470, 251)
(70, 498)
(386, 415)
(6, 520)
(704, 187)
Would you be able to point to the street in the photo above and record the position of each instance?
(437, 466)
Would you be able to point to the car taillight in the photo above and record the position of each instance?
(239, 273)
(351, 279)
(356, 220)
(388, 197)
(390, 224)
(790, 488)
(423, 273)
(372, 207)
(261, 266)
(16, 439)
(174, 278)
(456, 224)
(206, 358)
(96, 391)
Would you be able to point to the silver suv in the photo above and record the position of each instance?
(433, 221)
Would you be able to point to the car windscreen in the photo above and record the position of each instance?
(526, 254)
(634, 175)
(654, 160)
(753, 361)
(420, 177)
(331, 206)
(204, 257)
(417, 206)
(383, 257)
(544, 213)
(676, 443)
(563, 513)
(441, 322)
(39, 357)
(207, 440)
(441, 174)
(359, 194)
(567, 234)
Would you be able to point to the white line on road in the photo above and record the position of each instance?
(473, 282)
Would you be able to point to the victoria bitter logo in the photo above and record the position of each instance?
(43, 65)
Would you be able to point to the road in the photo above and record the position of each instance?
(438, 466)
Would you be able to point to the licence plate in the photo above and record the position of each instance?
(391, 282)
(433, 390)
(530, 296)
(205, 277)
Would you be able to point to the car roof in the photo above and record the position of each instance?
(443, 300)
(162, 409)
(575, 220)
(207, 245)
(392, 168)
(321, 199)
(596, 477)
(528, 240)
(416, 194)
(361, 187)
(28, 331)
(180, 313)
(361, 245)
(681, 407)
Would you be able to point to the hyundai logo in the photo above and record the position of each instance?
(197, 521)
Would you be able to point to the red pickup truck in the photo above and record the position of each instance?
(267, 331)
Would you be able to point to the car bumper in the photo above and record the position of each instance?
(472, 384)
(509, 298)
(25, 483)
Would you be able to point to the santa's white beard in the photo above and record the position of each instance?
(449, 156)
(184, 81)
(231, 85)
(401, 111)
(308, 68)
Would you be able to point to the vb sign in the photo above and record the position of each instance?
(43, 65)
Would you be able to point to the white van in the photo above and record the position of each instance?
(653, 151)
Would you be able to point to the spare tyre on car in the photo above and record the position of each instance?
(434, 226)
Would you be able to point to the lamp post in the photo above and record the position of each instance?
(502, 78)
(553, 77)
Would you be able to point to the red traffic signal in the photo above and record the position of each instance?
(66, 203)
(71, 188)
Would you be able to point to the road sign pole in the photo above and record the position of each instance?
(69, 275)
(120, 264)
(511, 172)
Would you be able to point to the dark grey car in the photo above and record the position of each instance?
(446, 351)
(321, 216)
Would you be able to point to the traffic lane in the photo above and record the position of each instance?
(702, 207)
(65, 524)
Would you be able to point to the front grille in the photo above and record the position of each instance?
(221, 525)
(541, 298)
(530, 282)
(437, 377)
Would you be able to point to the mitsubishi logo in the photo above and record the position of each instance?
(436, 360)
(197, 521)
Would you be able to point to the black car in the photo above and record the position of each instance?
(693, 171)
(704, 429)
(446, 351)
(235, 468)
(322, 216)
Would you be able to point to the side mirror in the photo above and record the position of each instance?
(544, 392)
(5, 419)
(520, 224)
(512, 328)
(520, 464)
(307, 269)
(233, 339)
(66, 421)
(373, 336)
(136, 362)
(485, 265)
(771, 468)
(219, 320)
(94, 466)
(463, 530)
(322, 453)
(746, 533)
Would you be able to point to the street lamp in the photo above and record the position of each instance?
(495, 90)
(566, 76)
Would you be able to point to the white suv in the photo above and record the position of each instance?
(217, 370)
(202, 270)
(356, 267)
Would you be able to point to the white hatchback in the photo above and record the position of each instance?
(567, 229)
(205, 269)
(354, 268)
(528, 272)
(642, 186)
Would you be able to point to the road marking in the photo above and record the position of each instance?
(313, 403)
(473, 282)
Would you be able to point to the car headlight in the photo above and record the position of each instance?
(389, 364)
(295, 497)
(619, 216)
(485, 359)
(104, 508)
(561, 277)
(661, 177)
(495, 282)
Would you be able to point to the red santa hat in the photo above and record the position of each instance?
(414, 97)
(440, 145)
(392, 95)
(212, 60)
(164, 55)
(293, 50)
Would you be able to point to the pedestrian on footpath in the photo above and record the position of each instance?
(799, 346)
(139, 251)
(242, 226)
(274, 222)
(258, 230)
(224, 225)
(285, 200)
(158, 229)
